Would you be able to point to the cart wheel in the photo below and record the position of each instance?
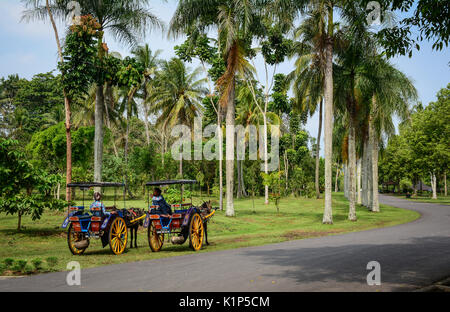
(118, 235)
(196, 232)
(72, 238)
(155, 240)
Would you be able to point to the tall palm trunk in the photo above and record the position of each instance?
(445, 183)
(352, 170)
(358, 180)
(374, 159)
(109, 99)
(328, 133)
(66, 108)
(219, 125)
(144, 103)
(266, 159)
(230, 150)
(318, 151)
(98, 136)
(336, 188)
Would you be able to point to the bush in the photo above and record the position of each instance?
(8, 262)
(37, 263)
(2, 268)
(28, 269)
(19, 266)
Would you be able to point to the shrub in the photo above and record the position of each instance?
(21, 264)
(28, 269)
(8, 262)
(37, 263)
(2, 268)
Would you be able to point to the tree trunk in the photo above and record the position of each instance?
(358, 180)
(239, 186)
(266, 160)
(318, 151)
(219, 125)
(336, 187)
(19, 221)
(286, 168)
(144, 104)
(369, 175)
(375, 205)
(98, 136)
(230, 151)
(445, 183)
(352, 171)
(109, 99)
(433, 185)
(328, 126)
(58, 189)
(346, 180)
(364, 175)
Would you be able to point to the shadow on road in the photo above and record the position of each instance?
(421, 262)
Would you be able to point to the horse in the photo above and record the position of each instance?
(132, 214)
(205, 209)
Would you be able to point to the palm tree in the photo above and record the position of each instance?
(150, 61)
(390, 92)
(235, 22)
(126, 21)
(178, 95)
(308, 75)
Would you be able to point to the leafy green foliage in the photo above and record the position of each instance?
(81, 65)
(19, 178)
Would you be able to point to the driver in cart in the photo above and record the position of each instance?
(98, 203)
(164, 207)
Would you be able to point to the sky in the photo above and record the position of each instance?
(29, 48)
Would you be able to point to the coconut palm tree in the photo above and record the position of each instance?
(178, 95)
(236, 22)
(150, 62)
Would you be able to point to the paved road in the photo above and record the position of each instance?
(410, 255)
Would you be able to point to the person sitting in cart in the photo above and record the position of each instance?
(98, 203)
(158, 199)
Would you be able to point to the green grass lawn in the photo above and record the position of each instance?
(298, 218)
(442, 200)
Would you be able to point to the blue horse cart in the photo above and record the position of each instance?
(186, 221)
(85, 223)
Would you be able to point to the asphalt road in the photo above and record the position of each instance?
(410, 255)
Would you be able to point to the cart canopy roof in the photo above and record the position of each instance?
(95, 184)
(167, 182)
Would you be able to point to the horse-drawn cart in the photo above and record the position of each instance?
(85, 224)
(186, 221)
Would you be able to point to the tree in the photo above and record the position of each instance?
(19, 178)
(308, 76)
(235, 22)
(150, 62)
(178, 95)
(427, 21)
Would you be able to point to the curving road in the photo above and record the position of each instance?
(411, 255)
